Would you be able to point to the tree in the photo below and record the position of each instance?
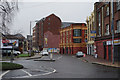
(7, 12)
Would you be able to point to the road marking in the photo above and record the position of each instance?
(73, 56)
(26, 72)
(4, 74)
(46, 73)
(59, 57)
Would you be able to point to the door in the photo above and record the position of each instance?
(117, 52)
(63, 50)
(104, 45)
(66, 50)
(109, 53)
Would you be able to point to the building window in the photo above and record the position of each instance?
(99, 26)
(107, 29)
(118, 27)
(66, 36)
(48, 18)
(107, 11)
(77, 32)
(70, 32)
(118, 5)
(78, 40)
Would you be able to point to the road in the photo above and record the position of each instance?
(65, 66)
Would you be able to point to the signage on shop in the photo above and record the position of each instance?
(116, 42)
(53, 49)
(93, 34)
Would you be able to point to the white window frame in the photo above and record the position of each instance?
(107, 11)
(107, 29)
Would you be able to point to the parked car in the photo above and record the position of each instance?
(80, 54)
(16, 53)
(6, 52)
(44, 53)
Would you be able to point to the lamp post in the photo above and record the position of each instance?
(112, 29)
(30, 40)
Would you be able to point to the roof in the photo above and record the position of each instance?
(67, 24)
(16, 36)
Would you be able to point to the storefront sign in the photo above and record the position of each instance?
(116, 42)
(93, 34)
(53, 49)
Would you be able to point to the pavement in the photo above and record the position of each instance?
(36, 56)
(99, 61)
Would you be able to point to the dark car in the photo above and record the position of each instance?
(6, 53)
(80, 54)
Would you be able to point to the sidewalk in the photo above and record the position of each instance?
(100, 61)
(35, 56)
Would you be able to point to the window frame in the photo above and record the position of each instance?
(107, 11)
(107, 29)
(77, 40)
(77, 32)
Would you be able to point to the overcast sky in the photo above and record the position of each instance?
(67, 11)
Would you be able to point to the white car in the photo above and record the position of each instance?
(16, 53)
(44, 53)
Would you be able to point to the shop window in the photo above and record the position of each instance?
(78, 40)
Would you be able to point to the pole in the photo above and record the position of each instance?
(112, 29)
(12, 54)
(30, 27)
(30, 39)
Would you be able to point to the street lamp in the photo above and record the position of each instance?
(112, 29)
(30, 40)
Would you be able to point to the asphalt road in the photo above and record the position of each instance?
(65, 66)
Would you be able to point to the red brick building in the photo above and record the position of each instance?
(72, 38)
(103, 22)
(48, 26)
(50, 40)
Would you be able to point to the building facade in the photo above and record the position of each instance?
(35, 38)
(50, 24)
(103, 22)
(29, 42)
(72, 38)
(91, 34)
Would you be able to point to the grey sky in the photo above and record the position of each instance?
(67, 11)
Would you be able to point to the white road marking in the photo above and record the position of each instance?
(73, 56)
(26, 72)
(29, 75)
(4, 74)
(59, 57)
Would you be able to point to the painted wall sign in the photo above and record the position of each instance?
(8, 43)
